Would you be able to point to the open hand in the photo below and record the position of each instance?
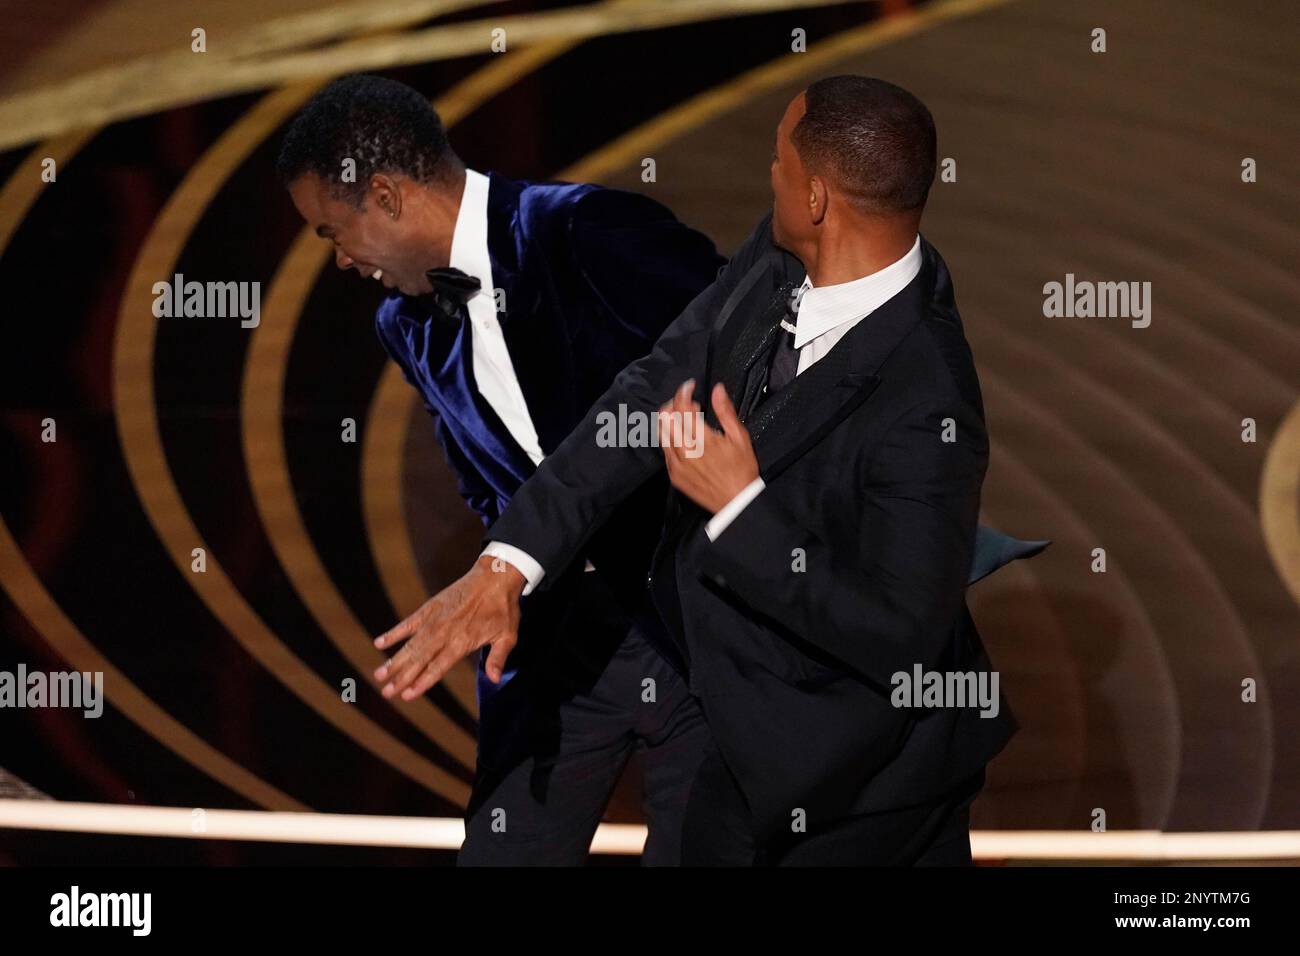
(481, 607)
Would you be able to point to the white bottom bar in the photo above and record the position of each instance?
(445, 833)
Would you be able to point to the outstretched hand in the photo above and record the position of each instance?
(481, 607)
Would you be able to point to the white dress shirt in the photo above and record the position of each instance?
(494, 373)
(825, 315)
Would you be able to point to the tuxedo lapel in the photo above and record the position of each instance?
(742, 334)
(538, 350)
(444, 355)
(496, 437)
(789, 424)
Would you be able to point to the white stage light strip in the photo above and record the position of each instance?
(443, 833)
(435, 833)
(1134, 845)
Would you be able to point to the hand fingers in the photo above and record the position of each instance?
(435, 671)
(674, 418)
(397, 633)
(670, 455)
(683, 404)
(407, 664)
(670, 439)
(394, 664)
(399, 660)
(495, 664)
(726, 412)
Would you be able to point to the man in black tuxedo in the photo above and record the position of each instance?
(815, 554)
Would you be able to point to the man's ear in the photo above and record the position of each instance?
(386, 194)
(818, 200)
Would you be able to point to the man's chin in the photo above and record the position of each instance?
(778, 234)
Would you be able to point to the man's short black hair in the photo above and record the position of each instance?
(872, 139)
(383, 125)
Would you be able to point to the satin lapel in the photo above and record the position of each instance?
(535, 340)
(447, 359)
(787, 425)
(741, 333)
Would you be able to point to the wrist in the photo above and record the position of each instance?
(502, 574)
(733, 492)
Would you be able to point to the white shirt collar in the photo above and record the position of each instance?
(827, 307)
(469, 238)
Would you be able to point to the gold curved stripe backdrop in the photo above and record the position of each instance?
(1279, 501)
(40, 608)
(135, 410)
(1162, 719)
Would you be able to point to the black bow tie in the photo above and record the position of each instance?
(452, 288)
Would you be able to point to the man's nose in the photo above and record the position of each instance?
(342, 259)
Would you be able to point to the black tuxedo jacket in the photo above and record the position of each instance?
(849, 568)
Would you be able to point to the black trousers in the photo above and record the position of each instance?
(556, 737)
(716, 830)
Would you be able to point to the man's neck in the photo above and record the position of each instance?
(860, 249)
(438, 209)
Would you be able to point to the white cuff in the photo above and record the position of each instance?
(520, 560)
(727, 513)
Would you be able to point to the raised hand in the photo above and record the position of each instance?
(715, 466)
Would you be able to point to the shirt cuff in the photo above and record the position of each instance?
(727, 513)
(520, 560)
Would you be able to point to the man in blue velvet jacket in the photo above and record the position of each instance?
(515, 306)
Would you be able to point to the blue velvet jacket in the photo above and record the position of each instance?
(590, 276)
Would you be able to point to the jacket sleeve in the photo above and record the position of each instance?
(576, 487)
(481, 499)
(889, 600)
(641, 263)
